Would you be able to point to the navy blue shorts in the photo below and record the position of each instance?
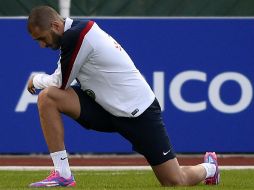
(146, 133)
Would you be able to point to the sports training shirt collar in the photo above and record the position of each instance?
(67, 24)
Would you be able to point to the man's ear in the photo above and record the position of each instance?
(56, 26)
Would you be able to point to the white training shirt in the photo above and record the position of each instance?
(103, 69)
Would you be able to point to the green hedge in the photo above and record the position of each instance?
(137, 7)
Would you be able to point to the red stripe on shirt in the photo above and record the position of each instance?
(75, 53)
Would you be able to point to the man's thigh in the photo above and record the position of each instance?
(66, 101)
(148, 135)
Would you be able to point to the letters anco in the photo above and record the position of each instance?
(175, 88)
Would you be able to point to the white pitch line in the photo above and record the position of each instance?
(87, 168)
(236, 167)
(104, 168)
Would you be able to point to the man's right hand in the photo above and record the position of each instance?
(30, 86)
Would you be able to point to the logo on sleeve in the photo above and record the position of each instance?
(90, 93)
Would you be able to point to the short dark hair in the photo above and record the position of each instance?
(42, 17)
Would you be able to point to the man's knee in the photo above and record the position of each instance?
(172, 180)
(46, 97)
(170, 173)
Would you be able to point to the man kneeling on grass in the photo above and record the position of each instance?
(111, 96)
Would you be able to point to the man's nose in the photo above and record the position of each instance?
(42, 44)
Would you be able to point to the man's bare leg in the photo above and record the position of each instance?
(170, 173)
(51, 103)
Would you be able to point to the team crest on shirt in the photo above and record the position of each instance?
(90, 93)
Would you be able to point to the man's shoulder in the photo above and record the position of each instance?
(76, 27)
(71, 36)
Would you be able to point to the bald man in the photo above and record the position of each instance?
(111, 96)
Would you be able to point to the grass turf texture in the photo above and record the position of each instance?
(139, 180)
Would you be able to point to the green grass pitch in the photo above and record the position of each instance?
(123, 180)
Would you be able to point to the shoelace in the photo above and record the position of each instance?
(52, 174)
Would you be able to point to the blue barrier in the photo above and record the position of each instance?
(200, 69)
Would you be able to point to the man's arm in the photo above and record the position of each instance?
(30, 86)
(41, 81)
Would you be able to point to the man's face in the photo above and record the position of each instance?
(46, 38)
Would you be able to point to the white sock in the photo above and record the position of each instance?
(209, 168)
(61, 163)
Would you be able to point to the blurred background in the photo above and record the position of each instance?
(197, 56)
(145, 8)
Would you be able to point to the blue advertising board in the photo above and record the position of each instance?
(201, 70)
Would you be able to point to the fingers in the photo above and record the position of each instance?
(31, 87)
(32, 90)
